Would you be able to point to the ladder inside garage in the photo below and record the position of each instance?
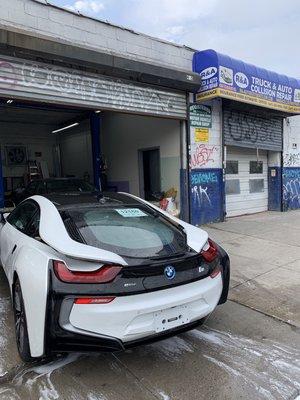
(34, 171)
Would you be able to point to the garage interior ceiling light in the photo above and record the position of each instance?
(9, 101)
(65, 127)
(98, 111)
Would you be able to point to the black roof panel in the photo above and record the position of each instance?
(71, 200)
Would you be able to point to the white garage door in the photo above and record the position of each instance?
(246, 181)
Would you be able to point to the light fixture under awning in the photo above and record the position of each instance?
(65, 127)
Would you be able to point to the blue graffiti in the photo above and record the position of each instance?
(199, 178)
(206, 195)
(293, 173)
(291, 188)
(200, 196)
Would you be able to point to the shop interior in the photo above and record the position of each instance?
(138, 154)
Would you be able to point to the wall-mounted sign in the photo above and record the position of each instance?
(201, 134)
(222, 76)
(16, 155)
(200, 116)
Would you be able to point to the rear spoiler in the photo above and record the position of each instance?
(54, 233)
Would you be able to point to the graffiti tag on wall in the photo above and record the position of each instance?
(253, 129)
(200, 182)
(8, 76)
(205, 195)
(204, 155)
(291, 159)
(291, 188)
(38, 78)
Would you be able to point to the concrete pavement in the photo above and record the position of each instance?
(240, 353)
(265, 258)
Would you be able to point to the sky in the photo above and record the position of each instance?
(262, 32)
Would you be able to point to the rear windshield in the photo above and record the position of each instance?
(72, 185)
(128, 231)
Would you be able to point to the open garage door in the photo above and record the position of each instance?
(32, 138)
(132, 153)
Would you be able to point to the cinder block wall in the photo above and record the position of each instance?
(50, 22)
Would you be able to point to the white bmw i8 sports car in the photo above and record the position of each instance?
(105, 272)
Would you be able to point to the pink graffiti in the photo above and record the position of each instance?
(7, 74)
(202, 155)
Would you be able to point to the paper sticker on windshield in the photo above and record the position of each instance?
(130, 212)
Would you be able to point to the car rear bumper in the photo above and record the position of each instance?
(130, 320)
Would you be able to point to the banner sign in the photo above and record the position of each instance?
(223, 76)
(200, 116)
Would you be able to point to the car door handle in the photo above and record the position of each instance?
(14, 249)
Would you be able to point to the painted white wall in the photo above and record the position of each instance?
(209, 154)
(123, 135)
(76, 151)
(37, 138)
(291, 142)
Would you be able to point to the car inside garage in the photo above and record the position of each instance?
(138, 154)
(30, 148)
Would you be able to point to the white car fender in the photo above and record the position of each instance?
(32, 268)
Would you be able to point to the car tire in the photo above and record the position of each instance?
(21, 324)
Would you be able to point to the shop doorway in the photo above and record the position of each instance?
(149, 166)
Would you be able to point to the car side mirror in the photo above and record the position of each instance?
(3, 217)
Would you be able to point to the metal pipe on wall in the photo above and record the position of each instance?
(95, 123)
(184, 171)
(1, 184)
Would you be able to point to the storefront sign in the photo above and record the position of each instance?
(201, 134)
(225, 77)
(200, 116)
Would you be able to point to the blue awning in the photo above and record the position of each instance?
(223, 76)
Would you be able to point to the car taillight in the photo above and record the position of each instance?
(94, 300)
(209, 251)
(105, 274)
(215, 272)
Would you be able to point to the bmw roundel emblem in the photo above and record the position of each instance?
(170, 272)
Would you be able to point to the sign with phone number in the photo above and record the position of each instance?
(222, 76)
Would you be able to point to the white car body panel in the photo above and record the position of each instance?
(30, 262)
(34, 283)
(133, 317)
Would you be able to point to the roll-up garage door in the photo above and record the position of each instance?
(36, 81)
(246, 181)
(252, 127)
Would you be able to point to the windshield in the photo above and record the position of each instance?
(69, 185)
(128, 231)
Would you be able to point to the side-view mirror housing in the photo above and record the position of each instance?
(3, 217)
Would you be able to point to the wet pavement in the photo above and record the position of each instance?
(238, 354)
